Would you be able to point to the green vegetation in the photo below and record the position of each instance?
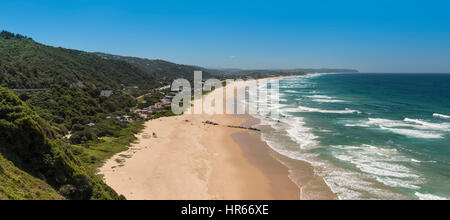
(26, 64)
(72, 107)
(37, 158)
(151, 99)
(16, 184)
(162, 70)
(93, 152)
(9, 35)
(27, 141)
(164, 113)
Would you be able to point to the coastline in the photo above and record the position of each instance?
(191, 160)
(310, 185)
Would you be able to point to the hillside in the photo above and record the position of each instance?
(16, 184)
(162, 70)
(38, 159)
(28, 142)
(26, 64)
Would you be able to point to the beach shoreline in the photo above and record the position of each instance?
(310, 185)
(187, 159)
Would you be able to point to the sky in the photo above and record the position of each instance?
(371, 36)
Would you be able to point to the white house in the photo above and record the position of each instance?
(106, 93)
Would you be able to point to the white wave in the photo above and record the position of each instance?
(357, 125)
(328, 100)
(381, 163)
(345, 183)
(350, 185)
(418, 161)
(346, 111)
(429, 125)
(300, 133)
(414, 133)
(389, 123)
(409, 123)
(313, 75)
(441, 116)
(393, 182)
(409, 127)
(423, 196)
(320, 97)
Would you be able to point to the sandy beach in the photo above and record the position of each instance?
(183, 158)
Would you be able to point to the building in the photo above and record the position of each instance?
(165, 101)
(158, 106)
(127, 118)
(106, 93)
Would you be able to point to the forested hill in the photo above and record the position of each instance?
(26, 64)
(53, 140)
(29, 150)
(160, 69)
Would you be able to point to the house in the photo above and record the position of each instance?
(158, 106)
(127, 118)
(165, 101)
(147, 111)
(91, 124)
(106, 93)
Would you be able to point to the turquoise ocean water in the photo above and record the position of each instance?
(371, 136)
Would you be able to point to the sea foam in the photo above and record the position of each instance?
(328, 100)
(320, 97)
(441, 116)
(429, 125)
(408, 127)
(382, 163)
(300, 133)
(423, 196)
(414, 133)
(346, 111)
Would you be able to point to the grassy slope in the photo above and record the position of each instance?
(94, 153)
(16, 184)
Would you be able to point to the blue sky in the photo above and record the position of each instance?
(372, 36)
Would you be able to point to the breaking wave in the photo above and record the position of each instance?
(346, 111)
(441, 116)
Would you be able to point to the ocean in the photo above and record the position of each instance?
(370, 136)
